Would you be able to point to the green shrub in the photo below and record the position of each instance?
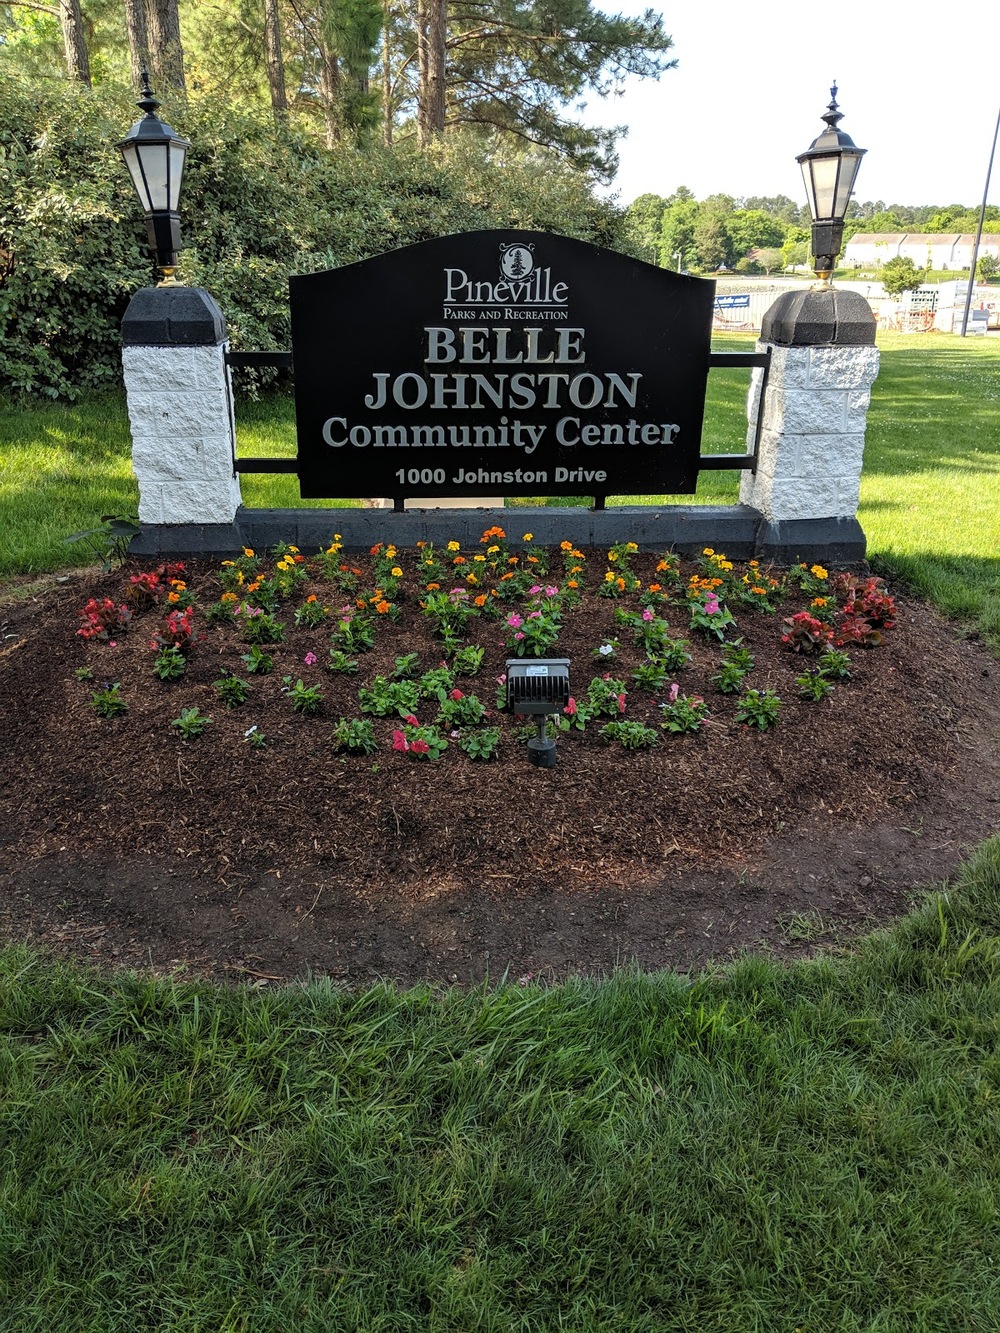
(256, 206)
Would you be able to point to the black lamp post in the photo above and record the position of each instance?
(154, 155)
(829, 168)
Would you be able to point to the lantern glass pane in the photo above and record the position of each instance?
(155, 160)
(131, 156)
(176, 171)
(825, 172)
(845, 186)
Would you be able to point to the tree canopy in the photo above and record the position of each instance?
(395, 69)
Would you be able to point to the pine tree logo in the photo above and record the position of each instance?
(516, 261)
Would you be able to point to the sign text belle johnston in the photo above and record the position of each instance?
(501, 390)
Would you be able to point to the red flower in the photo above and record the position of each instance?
(456, 694)
(399, 741)
(419, 747)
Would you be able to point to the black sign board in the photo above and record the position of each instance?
(499, 363)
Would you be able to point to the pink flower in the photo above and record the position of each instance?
(537, 588)
(112, 643)
(621, 703)
(514, 620)
(399, 741)
(674, 691)
(551, 592)
(519, 636)
(310, 659)
(647, 614)
(570, 709)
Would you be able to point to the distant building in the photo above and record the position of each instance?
(950, 252)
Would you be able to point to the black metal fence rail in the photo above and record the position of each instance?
(747, 460)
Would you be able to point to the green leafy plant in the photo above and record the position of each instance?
(311, 613)
(108, 702)
(385, 697)
(169, 663)
(419, 742)
(683, 712)
(109, 541)
(651, 675)
(630, 735)
(255, 738)
(83, 673)
(483, 743)
(467, 661)
(606, 696)
(814, 685)
(261, 626)
(191, 723)
(575, 715)
(759, 708)
(257, 662)
(406, 667)
(232, 690)
(461, 710)
(356, 735)
(305, 699)
(835, 663)
(341, 664)
(355, 632)
(710, 615)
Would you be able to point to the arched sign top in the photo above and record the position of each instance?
(499, 362)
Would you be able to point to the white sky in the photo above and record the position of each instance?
(919, 86)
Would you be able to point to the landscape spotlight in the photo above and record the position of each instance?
(539, 689)
(154, 155)
(829, 168)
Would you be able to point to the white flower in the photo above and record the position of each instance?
(606, 649)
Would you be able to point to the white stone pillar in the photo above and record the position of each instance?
(812, 432)
(180, 411)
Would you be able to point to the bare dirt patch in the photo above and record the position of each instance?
(125, 845)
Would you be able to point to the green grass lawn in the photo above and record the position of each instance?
(771, 1148)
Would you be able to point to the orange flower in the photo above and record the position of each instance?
(383, 607)
(433, 587)
(662, 567)
(572, 583)
(311, 597)
(532, 559)
(655, 587)
(229, 597)
(173, 597)
(480, 600)
(459, 560)
(375, 549)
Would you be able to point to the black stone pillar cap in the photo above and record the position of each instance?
(173, 317)
(834, 318)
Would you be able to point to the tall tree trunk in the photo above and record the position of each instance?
(74, 41)
(165, 48)
(138, 40)
(432, 27)
(273, 61)
(329, 88)
(387, 119)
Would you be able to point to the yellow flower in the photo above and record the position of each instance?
(528, 536)
(229, 597)
(479, 557)
(396, 572)
(294, 550)
(471, 578)
(226, 563)
(631, 546)
(248, 550)
(492, 550)
(725, 564)
(818, 572)
(609, 577)
(708, 551)
(453, 546)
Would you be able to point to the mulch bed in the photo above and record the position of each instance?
(126, 845)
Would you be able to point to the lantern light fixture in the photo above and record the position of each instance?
(829, 169)
(154, 155)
